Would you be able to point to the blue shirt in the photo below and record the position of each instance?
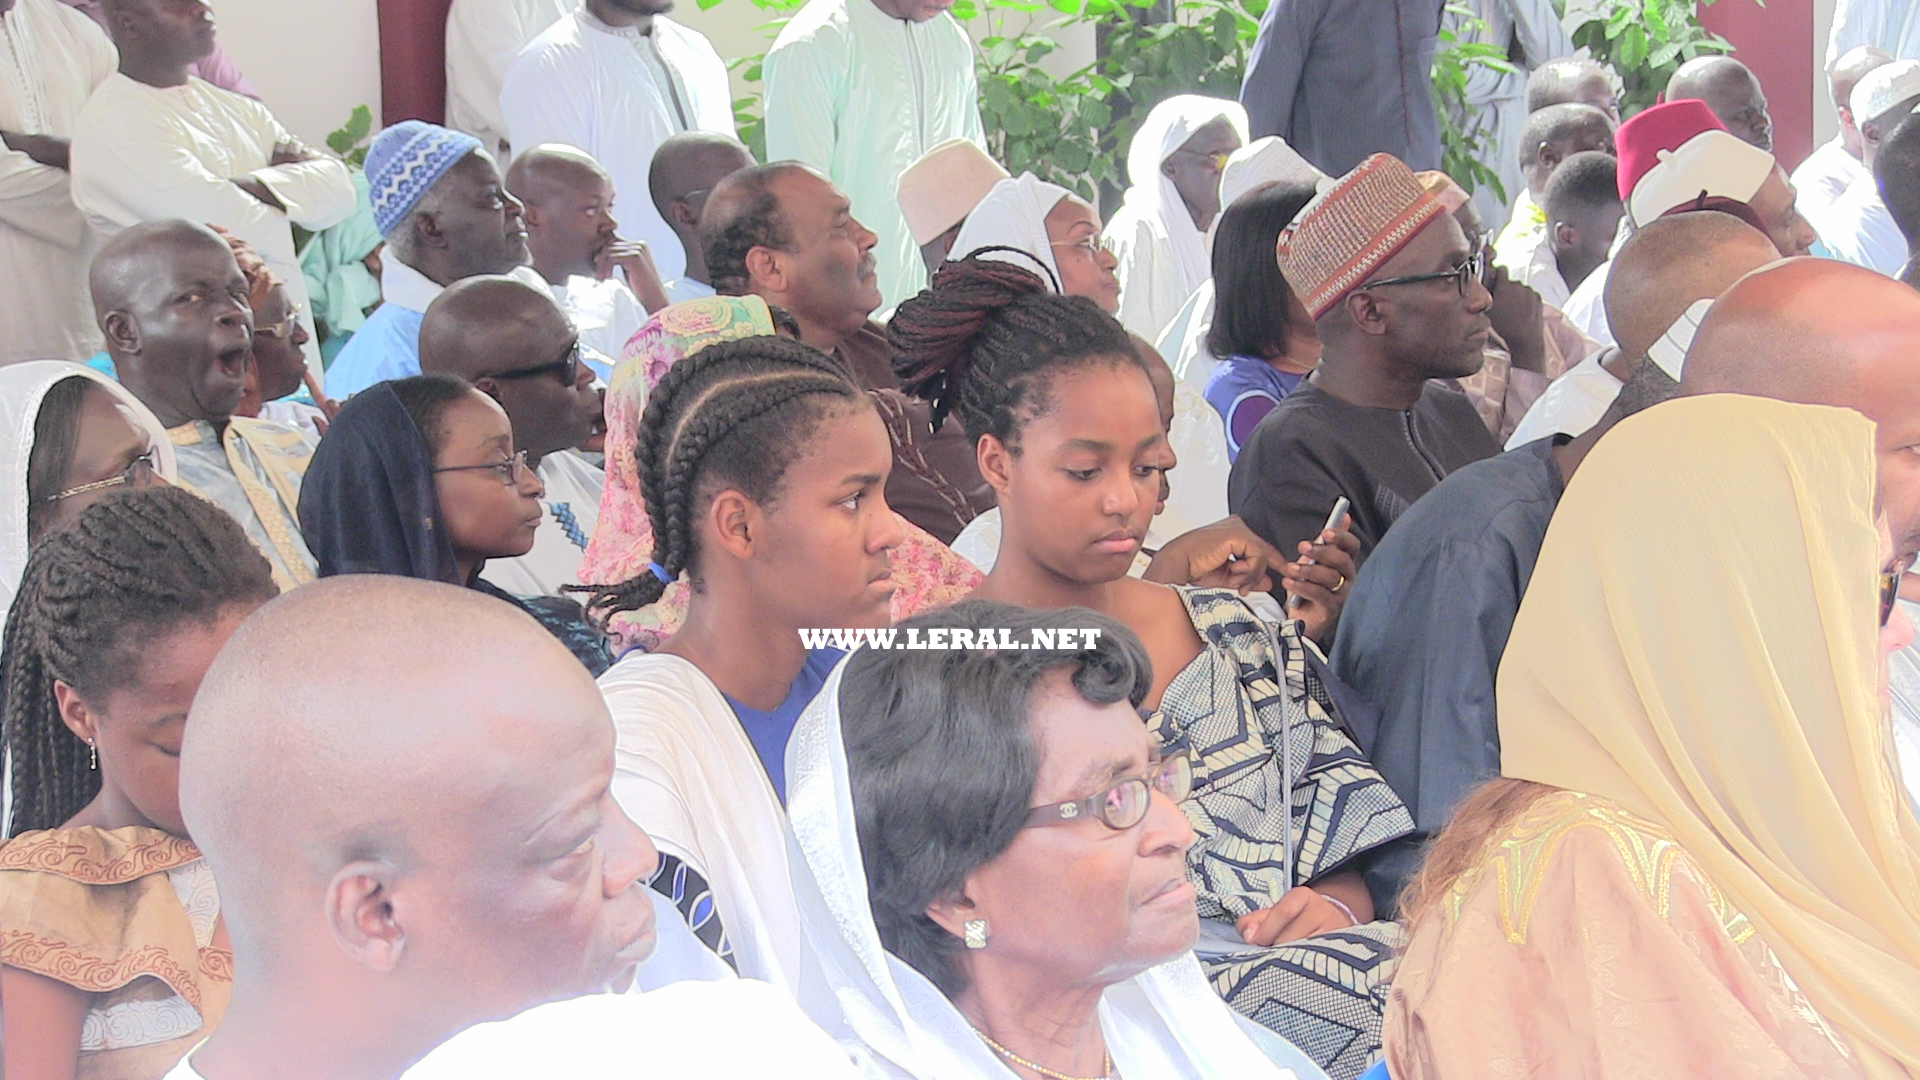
(387, 347)
(1244, 389)
(769, 731)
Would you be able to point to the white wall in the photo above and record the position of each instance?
(1825, 124)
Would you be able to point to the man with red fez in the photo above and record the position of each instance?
(1678, 157)
(1395, 290)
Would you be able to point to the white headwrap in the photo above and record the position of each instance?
(1165, 1022)
(1166, 129)
(23, 386)
(1014, 214)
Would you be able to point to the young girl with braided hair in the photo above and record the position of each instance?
(1069, 434)
(112, 961)
(764, 468)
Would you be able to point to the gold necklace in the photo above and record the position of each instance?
(1106, 1064)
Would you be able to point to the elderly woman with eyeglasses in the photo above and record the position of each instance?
(993, 875)
(420, 477)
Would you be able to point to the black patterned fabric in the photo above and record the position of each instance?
(690, 893)
(1282, 796)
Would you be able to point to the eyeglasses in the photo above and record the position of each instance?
(284, 329)
(139, 473)
(1093, 245)
(1216, 162)
(1476, 263)
(567, 367)
(1890, 587)
(509, 470)
(1123, 805)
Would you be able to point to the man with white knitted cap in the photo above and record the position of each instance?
(1678, 157)
(939, 190)
(1859, 229)
(1261, 162)
(439, 200)
(1394, 288)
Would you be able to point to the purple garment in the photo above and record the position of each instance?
(1243, 390)
(218, 68)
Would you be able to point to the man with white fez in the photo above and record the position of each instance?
(1836, 163)
(446, 214)
(1859, 228)
(1162, 233)
(860, 90)
(483, 37)
(403, 788)
(50, 60)
(1395, 291)
(616, 78)
(684, 172)
(155, 142)
(1677, 157)
(938, 191)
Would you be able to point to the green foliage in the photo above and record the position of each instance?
(350, 141)
(1464, 146)
(1645, 40)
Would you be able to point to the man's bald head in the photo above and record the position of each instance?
(1672, 263)
(1556, 133)
(1731, 90)
(1821, 332)
(392, 780)
(550, 170)
(569, 202)
(1572, 78)
(514, 343)
(172, 305)
(685, 171)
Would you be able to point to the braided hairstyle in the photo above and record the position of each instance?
(133, 567)
(984, 342)
(733, 415)
(56, 434)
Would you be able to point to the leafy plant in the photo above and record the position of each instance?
(350, 140)
(1464, 145)
(1645, 40)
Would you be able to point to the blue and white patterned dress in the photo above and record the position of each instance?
(1282, 796)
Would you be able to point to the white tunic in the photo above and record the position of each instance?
(1530, 33)
(51, 58)
(1861, 230)
(860, 96)
(618, 94)
(483, 37)
(1822, 179)
(1571, 406)
(143, 153)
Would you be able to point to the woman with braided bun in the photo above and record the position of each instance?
(764, 469)
(1068, 433)
(113, 962)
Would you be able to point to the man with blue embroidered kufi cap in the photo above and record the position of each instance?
(439, 200)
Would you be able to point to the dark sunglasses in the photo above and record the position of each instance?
(1890, 587)
(1474, 266)
(567, 367)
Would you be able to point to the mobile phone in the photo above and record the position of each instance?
(1340, 507)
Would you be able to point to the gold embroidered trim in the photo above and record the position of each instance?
(52, 852)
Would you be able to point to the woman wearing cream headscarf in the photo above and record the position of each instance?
(1700, 862)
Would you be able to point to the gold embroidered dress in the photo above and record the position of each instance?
(128, 915)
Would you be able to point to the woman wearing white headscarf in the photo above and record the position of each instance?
(1160, 233)
(954, 929)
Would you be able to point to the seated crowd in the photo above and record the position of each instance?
(1292, 728)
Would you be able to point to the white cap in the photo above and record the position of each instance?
(1883, 88)
(938, 191)
(1670, 351)
(1262, 162)
(1712, 163)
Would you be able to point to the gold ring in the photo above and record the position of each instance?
(1342, 585)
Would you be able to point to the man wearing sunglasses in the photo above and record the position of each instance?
(514, 343)
(1396, 293)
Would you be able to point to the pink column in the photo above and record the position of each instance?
(1777, 43)
(413, 64)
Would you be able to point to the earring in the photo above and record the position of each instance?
(93, 757)
(976, 933)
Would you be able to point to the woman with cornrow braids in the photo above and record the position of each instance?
(113, 961)
(1069, 434)
(764, 469)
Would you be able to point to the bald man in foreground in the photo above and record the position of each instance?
(606, 284)
(1662, 271)
(515, 345)
(1424, 630)
(403, 790)
(1821, 332)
